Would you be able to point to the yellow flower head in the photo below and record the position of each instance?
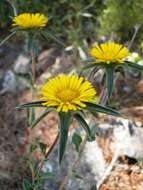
(30, 20)
(68, 93)
(109, 52)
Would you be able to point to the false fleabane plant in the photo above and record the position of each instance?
(111, 57)
(70, 97)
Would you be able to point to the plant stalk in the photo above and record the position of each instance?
(33, 66)
(103, 100)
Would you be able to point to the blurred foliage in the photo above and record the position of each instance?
(77, 20)
(5, 12)
(73, 20)
(120, 18)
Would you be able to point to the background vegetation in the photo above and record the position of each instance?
(79, 24)
(77, 21)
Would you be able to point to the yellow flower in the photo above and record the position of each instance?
(30, 20)
(68, 93)
(109, 52)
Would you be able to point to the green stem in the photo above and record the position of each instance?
(33, 66)
(66, 178)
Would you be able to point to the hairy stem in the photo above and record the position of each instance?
(103, 100)
(49, 151)
(33, 66)
(74, 166)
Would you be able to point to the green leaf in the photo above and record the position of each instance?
(93, 131)
(27, 185)
(88, 66)
(102, 109)
(33, 147)
(94, 187)
(74, 174)
(44, 114)
(135, 65)
(13, 7)
(31, 104)
(65, 121)
(91, 76)
(125, 67)
(109, 80)
(43, 147)
(48, 35)
(47, 175)
(83, 124)
(76, 139)
(95, 114)
(7, 38)
(121, 69)
(90, 60)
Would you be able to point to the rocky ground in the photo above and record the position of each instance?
(125, 135)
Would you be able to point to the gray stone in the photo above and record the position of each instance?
(22, 83)
(94, 157)
(22, 65)
(9, 83)
(129, 138)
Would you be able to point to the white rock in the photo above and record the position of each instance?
(95, 159)
(47, 167)
(22, 83)
(22, 64)
(129, 142)
(9, 82)
(127, 137)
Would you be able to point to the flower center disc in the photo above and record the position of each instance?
(67, 95)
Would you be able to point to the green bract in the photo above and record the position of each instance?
(110, 71)
(67, 118)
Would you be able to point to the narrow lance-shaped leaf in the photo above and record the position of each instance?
(109, 80)
(13, 7)
(27, 185)
(76, 175)
(65, 121)
(102, 109)
(43, 147)
(90, 60)
(47, 175)
(31, 104)
(135, 65)
(94, 187)
(7, 38)
(121, 69)
(88, 66)
(83, 124)
(48, 35)
(33, 147)
(44, 114)
(76, 139)
(93, 131)
(93, 72)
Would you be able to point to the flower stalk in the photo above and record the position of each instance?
(33, 66)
